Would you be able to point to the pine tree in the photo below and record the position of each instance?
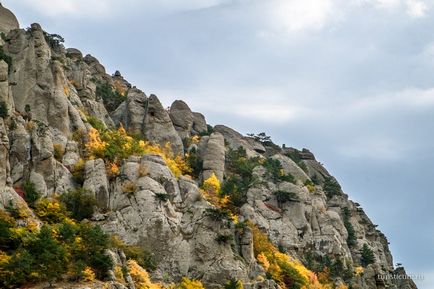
(367, 256)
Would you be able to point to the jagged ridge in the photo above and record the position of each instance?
(53, 97)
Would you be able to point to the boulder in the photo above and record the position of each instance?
(182, 118)
(214, 157)
(158, 126)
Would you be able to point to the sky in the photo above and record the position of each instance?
(351, 80)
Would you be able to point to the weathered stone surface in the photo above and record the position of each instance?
(235, 139)
(96, 181)
(199, 123)
(214, 157)
(289, 166)
(131, 113)
(182, 118)
(8, 21)
(158, 126)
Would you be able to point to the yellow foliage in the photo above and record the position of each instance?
(113, 169)
(262, 259)
(116, 145)
(212, 185)
(280, 266)
(190, 284)
(129, 187)
(88, 275)
(211, 192)
(50, 210)
(140, 276)
(95, 145)
(359, 270)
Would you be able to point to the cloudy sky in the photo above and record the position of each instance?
(352, 80)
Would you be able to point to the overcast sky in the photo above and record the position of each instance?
(352, 80)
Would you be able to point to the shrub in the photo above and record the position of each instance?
(285, 196)
(224, 239)
(3, 109)
(53, 40)
(234, 284)
(141, 256)
(129, 187)
(195, 162)
(190, 284)
(162, 197)
(351, 239)
(6, 58)
(87, 275)
(309, 185)
(78, 172)
(50, 211)
(331, 187)
(240, 178)
(49, 256)
(140, 276)
(80, 203)
(116, 145)
(31, 195)
(96, 123)
(217, 214)
(111, 97)
(367, 255)
(58, 151)
(275, 171)
(209, 130)
(261, 137)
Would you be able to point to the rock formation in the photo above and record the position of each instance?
(52, 99)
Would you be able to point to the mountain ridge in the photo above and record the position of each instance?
(68, 125)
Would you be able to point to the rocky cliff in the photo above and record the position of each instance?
(200, 201)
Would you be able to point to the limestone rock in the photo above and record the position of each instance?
(96, 181)
(158, 126)
(199, 123)
(214, 157)
(8, 21)
(131, 113)
(182, 118)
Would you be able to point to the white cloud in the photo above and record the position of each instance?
(416, 8)
(107, 8)
(377, 148)
(294, 15)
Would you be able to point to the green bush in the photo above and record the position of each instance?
(3, 109)
(275, 171)
(111, 98)
(261, 137)
(285, 196)
(367, 256)
(234, 284)
(96, 123)
(241, 176)
(6, 58)
(31, 195)
(209, 130)
(53, 40)
(195, 162)
(224, 239)
(331, 187)
(351, 239)
(217, 214)
(162, 197)
(80, 203)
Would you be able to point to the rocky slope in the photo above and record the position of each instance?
(52, 97)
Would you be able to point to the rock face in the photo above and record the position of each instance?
(158, 126)
(8, 21)
(182, 118)
(53, 96)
